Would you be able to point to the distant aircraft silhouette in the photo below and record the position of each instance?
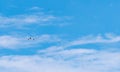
(30, 38)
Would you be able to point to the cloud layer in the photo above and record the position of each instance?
(63, 55)
(95, 61)
(34, 19)
(62, 59)
(14, 42)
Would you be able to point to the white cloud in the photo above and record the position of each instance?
(35, 8)
(26, 20)
(8, 41)
(90, 39)
(12, 42)
(98, 61)
(109, 38)
(75, 51)
(62, 59)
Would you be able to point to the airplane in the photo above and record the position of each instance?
(30, 38)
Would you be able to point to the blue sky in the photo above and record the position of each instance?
(59, 36)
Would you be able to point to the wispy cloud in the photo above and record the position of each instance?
(61, 58)
(108, 39)
(98, 61)
(36, 8)
(26, 20)
(8, 41)
(13, 42)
